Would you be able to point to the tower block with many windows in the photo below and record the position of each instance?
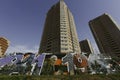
(4, 43)
(107, 34)
(59, 35)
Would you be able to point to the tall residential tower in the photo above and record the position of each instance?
(107, 35)
(86, 47)
(59, 35)
(4, 43)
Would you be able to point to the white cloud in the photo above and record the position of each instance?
(22, 48)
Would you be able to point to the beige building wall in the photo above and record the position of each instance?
(107, 34)
(59, 35)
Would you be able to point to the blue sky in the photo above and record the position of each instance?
(22, 21)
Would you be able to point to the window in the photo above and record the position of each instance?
(49, 46)
(65, 44)
(64, 40)
(64, 48)
(48, 49)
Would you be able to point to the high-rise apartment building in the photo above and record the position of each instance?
(86, 47)
(107, 34)
(59, 35)
(4, 43)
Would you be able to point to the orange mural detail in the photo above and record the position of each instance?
(58, 62)
(79, 61)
